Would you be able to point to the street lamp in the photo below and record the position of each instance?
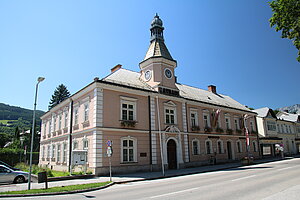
(40, 79)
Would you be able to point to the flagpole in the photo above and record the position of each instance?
(247, 138)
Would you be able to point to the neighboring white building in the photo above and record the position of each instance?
(276, 131)
(288, 125)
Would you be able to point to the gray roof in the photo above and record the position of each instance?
(262, 112)
(130, 78)
(158, 48)
(288, 116)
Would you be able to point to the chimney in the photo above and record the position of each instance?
(212, 88)
(115, 68)
(96, 79)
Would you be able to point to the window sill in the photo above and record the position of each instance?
(128, 163)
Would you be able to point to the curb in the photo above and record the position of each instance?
(56, 193)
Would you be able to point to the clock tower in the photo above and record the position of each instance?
(157, 68)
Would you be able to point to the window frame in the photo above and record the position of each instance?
(58, 152)
(134, 149)
(227, 121)
(206, 122)
(128, 101)
(86, 111)
(195, 118)
(197, 147)
(208, 147)
(174, 114)
(222, 147)
(239, 146)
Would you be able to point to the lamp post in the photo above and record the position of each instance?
(40, 79)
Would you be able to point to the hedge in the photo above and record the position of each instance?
(14, 156)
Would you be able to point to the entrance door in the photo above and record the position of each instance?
(172, 157)
(229, 150)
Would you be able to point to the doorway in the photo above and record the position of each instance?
(172, 154)
(229, 150)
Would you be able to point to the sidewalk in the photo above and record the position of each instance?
(124, 178)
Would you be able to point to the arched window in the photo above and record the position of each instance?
(239, 146)
(128, 149)
(220, 147)
(208, 146)
(196, 147)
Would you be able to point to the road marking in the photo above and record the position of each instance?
(284, 168)
(238, 179)
(171, 193)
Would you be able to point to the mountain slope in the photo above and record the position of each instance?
(291, 109)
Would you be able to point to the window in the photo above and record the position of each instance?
(196, 147)
(206, 119)
(48, 151)
(278, 128)
(128, 110)
(85, 143)
(239, 146)
(45, 128)
(86, 112)
(64, 152)
(59, 122)
(75, 145)
(54, 124)
(236, 124)
(66, 119)
(220, 147)
(252, 126)
(254, 143)
(58, 153)
(282, 129)
(194, 118)
(170, 115)
(76, 116)
(53, 151)
(43, 152)
(208, 146)
(290, 129)
(271, 126)
(50, 124)
(227, 122)
(128, 149)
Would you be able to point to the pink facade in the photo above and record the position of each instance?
(142, 113)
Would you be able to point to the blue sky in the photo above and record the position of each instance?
(226, 43)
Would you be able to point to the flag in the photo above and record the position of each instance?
(247, 137)
(215, 117)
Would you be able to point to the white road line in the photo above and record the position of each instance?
(238, 179)
(167, 194)
(284, 168)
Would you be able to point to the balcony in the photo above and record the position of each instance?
(65, 129)
(86, 124)
(75, 127)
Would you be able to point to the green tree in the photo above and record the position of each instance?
(4, 138)
(60, 93)
(286, 18)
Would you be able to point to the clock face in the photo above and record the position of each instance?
(168, 73)
(148, 75)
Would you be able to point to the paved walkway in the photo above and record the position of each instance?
(130, 177)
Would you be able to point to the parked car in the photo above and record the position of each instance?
(8, 175)
(7, 165)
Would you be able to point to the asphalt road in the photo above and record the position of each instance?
(275, 180)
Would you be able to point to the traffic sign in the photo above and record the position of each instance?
(109, 143)
(109, 151)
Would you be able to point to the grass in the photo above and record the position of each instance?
(59, 189)
(60, 173)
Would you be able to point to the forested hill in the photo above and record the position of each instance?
(8, 112)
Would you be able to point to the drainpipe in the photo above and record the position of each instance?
(70, 136)
(150, 133)
(187, 128)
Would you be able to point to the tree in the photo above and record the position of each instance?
(60, 93)
(286, 17)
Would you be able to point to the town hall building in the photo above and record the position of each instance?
(149, 118)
